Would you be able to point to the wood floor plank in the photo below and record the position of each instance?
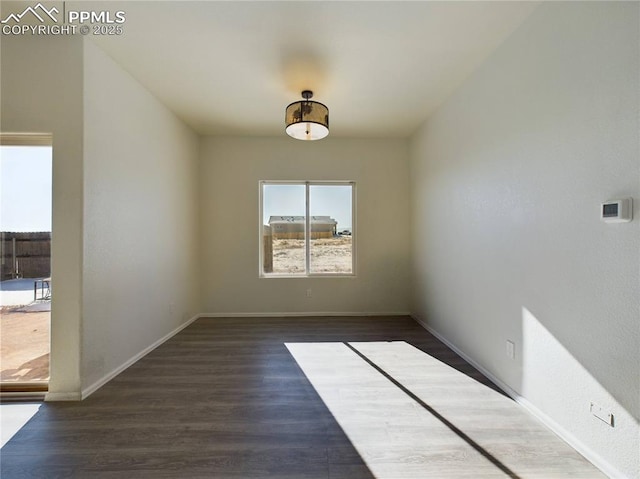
(225, 398)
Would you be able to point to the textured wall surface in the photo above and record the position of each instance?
(140, 219)
(507, 181)
(230, 171)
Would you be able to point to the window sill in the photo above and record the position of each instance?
(305, 276)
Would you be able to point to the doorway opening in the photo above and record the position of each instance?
(26, 288)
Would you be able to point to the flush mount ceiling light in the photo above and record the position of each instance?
(306, 119)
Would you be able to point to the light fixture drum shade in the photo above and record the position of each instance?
(307, 120)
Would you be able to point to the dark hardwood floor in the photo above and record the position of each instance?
(225, 398)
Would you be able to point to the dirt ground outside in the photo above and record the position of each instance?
(24, 344)
(328, 255)
(25, 317)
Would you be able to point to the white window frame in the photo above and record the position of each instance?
(307, 228)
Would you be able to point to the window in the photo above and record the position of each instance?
(307, 228)
(26, 162)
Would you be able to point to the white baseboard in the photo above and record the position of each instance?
(108, 377)
(301, 314)
(565, 435)
(86, 392)
(506, 388)
(593, 457)
(62, 397)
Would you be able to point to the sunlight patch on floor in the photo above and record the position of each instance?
(13, 417)
(427, 419)
(394, 435)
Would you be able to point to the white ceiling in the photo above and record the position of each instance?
(231, 67)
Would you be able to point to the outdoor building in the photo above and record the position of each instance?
(292, 227)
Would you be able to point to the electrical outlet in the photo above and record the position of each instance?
(511, 349)
(309, 293)
(601, 413)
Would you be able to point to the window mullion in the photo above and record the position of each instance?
(307, 231)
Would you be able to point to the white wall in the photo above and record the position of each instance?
(507, 181)
(140, 219)
(230, 171)
(41, 87)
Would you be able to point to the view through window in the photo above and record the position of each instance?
(25, 266)
(307, 228)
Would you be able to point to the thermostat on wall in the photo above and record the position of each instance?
(617, 211)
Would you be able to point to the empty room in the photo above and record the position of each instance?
(324, 239)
